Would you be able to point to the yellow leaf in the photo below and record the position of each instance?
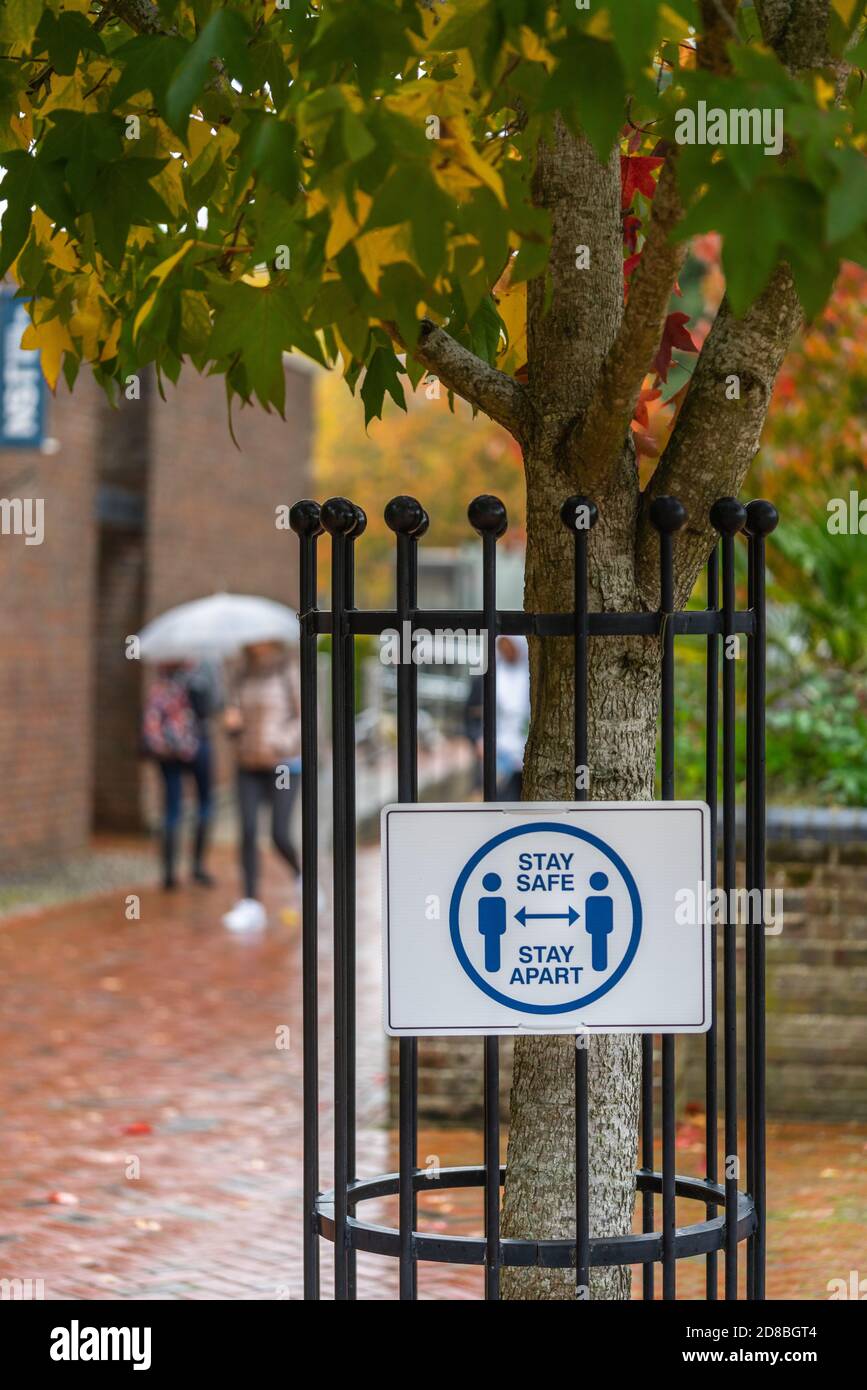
(58, 248)
(199, 136)
(845, 9)
(464, 167)
(89, 321)
(380, 248)
(257, 278)
(533, 48)
(825, 93)
(64, 96)
(344, 224)
(140, 237)
(143, 313)
(165, 268)
(110, 346)
(600, 25)
(22, 129)
(51, 339)
(512, 308)
(170, 187)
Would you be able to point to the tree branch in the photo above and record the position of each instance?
(773, 18)
(718, 29)
(607, 421)
(483, 386)
(716, 438)
(141, 15)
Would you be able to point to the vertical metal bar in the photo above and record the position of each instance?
(728, 515)
(668, 516)
(349, 743)
(749, 929)
(339, 519)
(578, 515)
(487, 516)
(762, 519)
(648, 1273)
(405, 516)
(304, 519)
(711, 776)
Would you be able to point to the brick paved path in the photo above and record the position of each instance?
(148, 1047)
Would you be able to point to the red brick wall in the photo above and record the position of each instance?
(212, 507)
(46, 610)
(70, 701)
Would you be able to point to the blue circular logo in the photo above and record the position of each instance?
(545, 918)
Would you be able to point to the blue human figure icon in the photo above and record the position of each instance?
(492, 921)
(599, 921)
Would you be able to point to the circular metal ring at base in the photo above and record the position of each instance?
(702, 1238)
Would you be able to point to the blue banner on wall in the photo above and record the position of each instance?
(22, 386)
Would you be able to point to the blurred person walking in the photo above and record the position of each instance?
(176, 734)
(263, 714)
(513, 714)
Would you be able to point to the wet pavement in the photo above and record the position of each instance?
(151, 1113)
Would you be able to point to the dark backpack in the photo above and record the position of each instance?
(169, 726)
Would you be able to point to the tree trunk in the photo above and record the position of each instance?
(622, 698)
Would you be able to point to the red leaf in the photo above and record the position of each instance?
(629, 265)
(636, 176)
(674, 335)
(631, 228)
(639, 414)
(137, 1127)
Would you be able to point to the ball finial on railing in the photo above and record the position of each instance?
(727, 515)
(338, 516)
(404, 515)
(579, 513)
(667, 514)
(762, 517)
(360, 521)
(488, 515)
(304, 518)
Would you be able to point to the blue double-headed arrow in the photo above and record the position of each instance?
(523, 916)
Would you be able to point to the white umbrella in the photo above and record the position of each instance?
(216, 627)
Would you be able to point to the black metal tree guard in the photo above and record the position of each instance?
(732, 1215)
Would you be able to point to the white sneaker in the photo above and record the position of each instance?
(247, 915)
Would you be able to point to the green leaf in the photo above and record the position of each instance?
(634, 27)
(122, 198)
(847, 202)
(224, 38)
(588, 87)
(86, 143)
(258, 326)
(150, 62)
(66, 35)
(382, 375)
(29, 180)
(267, 148)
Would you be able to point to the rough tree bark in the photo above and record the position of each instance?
(587, 360)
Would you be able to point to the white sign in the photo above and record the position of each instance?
(546, 917)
